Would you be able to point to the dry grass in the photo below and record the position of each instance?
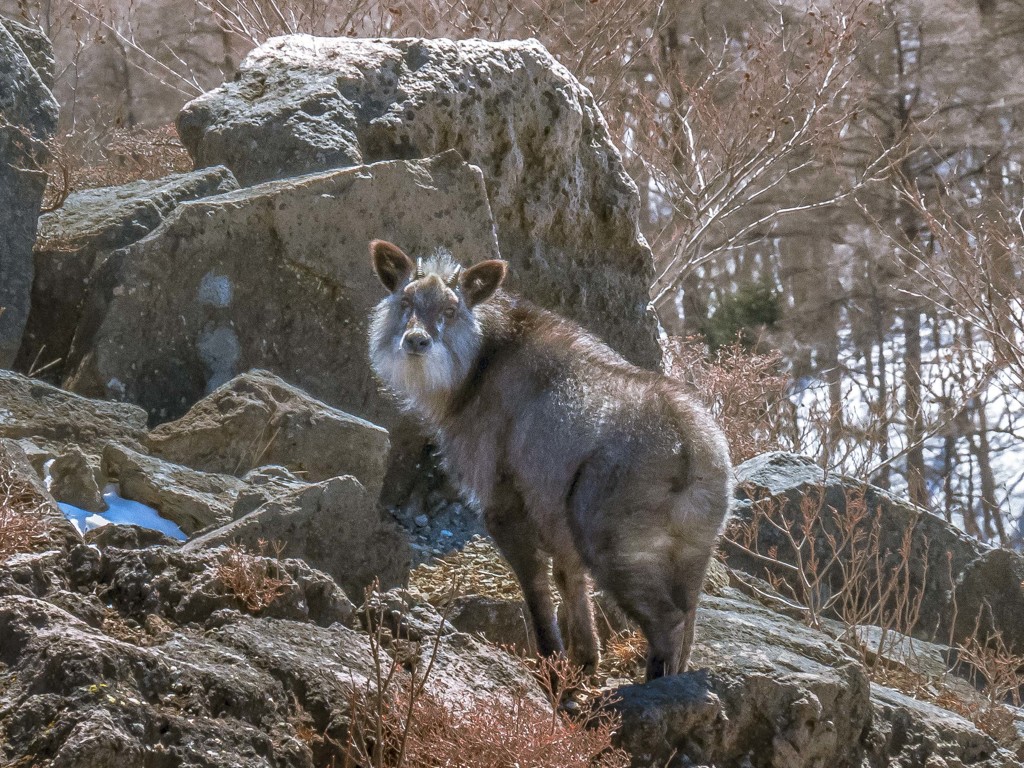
(124, 155)
(477, 568)
(22, 527)
(256, 580)
(397, 723)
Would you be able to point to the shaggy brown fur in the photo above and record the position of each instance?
(571, 452)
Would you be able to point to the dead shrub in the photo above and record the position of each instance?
(745, 390)
(21, 509)
(835, 565)
(81, 161)
(257, 580)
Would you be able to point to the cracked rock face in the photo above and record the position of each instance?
(78, 237)
(29, 119)
(565, 211)
(275, 276)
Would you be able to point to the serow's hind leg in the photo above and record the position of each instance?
(660, 594)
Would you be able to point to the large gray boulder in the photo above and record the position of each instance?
(764, 690)
(335, 526)
(28, 119)
(990, 599)
(275, 276)
(90, 224)
(565, 210)
(258, 419)
(785, 483)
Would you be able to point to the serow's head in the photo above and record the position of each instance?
(425, 335)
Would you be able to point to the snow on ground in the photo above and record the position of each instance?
(120, 512)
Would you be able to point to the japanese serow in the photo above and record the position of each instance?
(572, 453)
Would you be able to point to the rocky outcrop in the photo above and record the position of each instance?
(52, 419)
(565, 210)
(765, 691)
(28, 119)
(275, 276)
(192, 500)
(785, 484)
(258, 419)
(912, 733)
(990, 599)
(335, 526)
(148, 657)
(80, 234)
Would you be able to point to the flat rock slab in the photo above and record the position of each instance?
(72, 239)
(191, 499)
(258, 419)
(278, 277)
(52, 418)
(565, 209)
(29, 120)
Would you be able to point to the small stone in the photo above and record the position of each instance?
(421, 520)
(446, 533)
(73, 481)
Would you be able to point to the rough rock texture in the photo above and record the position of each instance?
(990, 591)
(498, 621)
(28, 118)
(53, 419)
(277, 277)
(467, 669)
(785, 480)
(766, 691)
(258, 419)
(145, 658)
(335, 526)
(193, 500)
(87, 227)
(36, 47)
(73, 481)
(565, 210)
(188, 700)
(915, 734)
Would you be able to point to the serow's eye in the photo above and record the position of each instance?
(405, 303)
(449, 312)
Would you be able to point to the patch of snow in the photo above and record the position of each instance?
(120, 511)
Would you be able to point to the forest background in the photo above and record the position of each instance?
(833, 194)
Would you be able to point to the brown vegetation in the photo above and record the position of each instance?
(257, 580)
(397, 722)
(21, 523)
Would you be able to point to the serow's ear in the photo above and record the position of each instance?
(391, 265)
(481, 280)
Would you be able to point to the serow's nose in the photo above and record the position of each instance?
(416, 342)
